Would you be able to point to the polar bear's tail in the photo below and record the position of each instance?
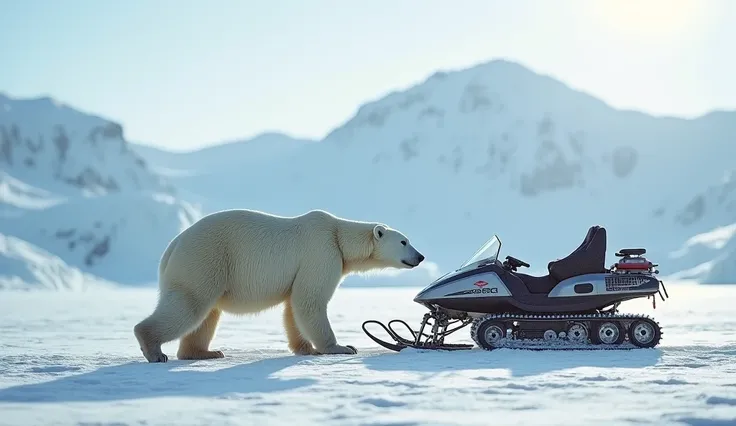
(165, 257)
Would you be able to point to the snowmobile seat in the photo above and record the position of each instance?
(537, 285)
(588, 258)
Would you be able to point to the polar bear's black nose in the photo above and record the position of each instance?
(421, 257)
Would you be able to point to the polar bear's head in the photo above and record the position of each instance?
(392, 248)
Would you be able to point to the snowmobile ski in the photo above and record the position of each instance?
(432, 342)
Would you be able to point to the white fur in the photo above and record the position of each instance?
(244, 261)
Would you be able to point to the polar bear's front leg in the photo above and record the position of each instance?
(297, 343)
(312, 290)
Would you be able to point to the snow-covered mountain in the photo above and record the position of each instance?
(50, 145)
(78, 207)
(496, 148)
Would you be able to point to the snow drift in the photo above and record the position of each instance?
(26, 267)
(119, 237)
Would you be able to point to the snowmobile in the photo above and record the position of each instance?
(574, 306)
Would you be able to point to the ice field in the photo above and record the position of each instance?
(71, 358)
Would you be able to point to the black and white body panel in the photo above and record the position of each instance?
(490, 288)
(605, 284)
(481, 284)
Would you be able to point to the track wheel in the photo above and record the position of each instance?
(577, 332)
(608, 333)
(489, 333)
(644, 333)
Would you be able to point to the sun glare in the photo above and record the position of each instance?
(648, 18)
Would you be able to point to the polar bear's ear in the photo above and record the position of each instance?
(378, 231)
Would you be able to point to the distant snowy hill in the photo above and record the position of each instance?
(204, 175)
(264, 147)
(709, 256)
(78, 207)
(496, 148)
(119, 237)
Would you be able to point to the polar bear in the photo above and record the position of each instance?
(244, 261)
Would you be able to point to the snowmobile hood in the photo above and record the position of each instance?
(482, 261)
(471, 277)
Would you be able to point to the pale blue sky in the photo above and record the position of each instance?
(183, 74)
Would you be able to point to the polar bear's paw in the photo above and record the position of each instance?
(155, 356)
(303, 347)
(199, 354)
(340, 350)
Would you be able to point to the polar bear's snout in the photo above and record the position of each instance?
(414, 261)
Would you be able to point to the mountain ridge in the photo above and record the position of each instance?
(559, 152)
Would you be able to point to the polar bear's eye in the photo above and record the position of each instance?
(403, 243)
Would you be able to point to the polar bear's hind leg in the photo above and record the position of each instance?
(176, 314)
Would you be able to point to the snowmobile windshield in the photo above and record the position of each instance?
(488, 251)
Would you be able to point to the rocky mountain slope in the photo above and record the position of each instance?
(78, 207)
(498, 148)
(50, 145)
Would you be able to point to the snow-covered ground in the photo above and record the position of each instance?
(71, 358)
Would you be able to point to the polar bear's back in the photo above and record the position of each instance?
(246, 255)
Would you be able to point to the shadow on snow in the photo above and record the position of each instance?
(520, 363)
(137, 380)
